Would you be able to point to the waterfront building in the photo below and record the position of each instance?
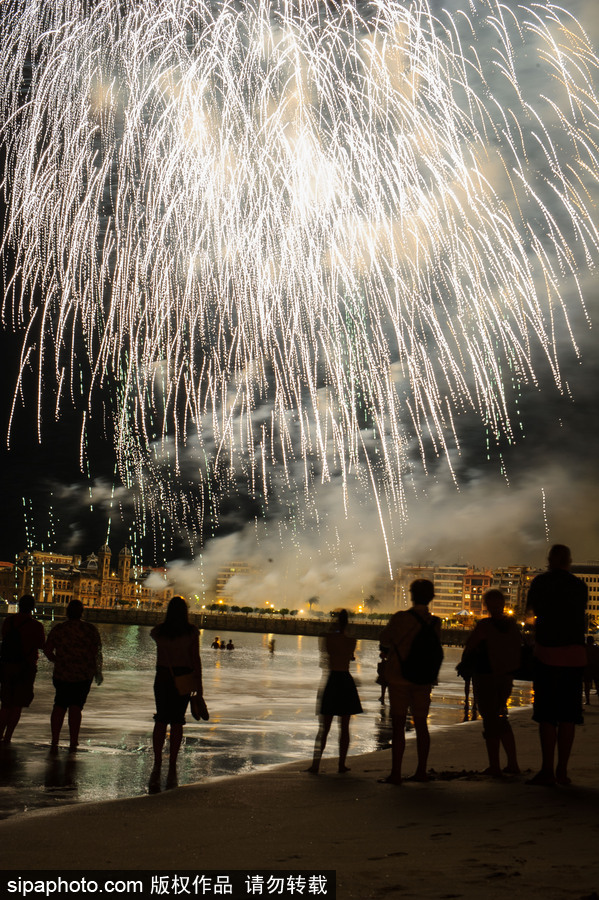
(59, 578)
(404, 578)
(475, 583)
(235, 570)
(449, 591)
(7, 582)
(589, 573)
(514, 582)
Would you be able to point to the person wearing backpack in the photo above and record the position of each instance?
(413, 663)
(22, 638)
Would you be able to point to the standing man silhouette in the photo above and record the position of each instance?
(558, 601)
(22, 637)
(75, 649)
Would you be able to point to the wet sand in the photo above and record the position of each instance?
(461, 836)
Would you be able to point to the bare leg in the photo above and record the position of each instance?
(174, 744)
(343, 742)
(158, 738)
(74, 726)
(9, 719)
(565, 739)
(398, 746)
(509, 745)
(56, 720)
(548, 737)
(492, 744)
(321, 742)
(423, 744)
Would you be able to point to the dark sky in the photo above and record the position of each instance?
(548, 491)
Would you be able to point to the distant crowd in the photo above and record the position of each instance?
(562, 663)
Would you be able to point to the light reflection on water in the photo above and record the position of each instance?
(262, 712)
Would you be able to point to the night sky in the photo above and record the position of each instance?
(547, 492)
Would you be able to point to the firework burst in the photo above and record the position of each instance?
(271, 232)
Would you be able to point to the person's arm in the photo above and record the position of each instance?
(41, 637)
(353, 650)
(49, 647)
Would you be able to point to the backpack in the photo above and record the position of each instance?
(422, 664)
(11, 649)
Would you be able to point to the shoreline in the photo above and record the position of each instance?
(239, 623)
(462, 835)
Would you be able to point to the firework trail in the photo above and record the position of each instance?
(270, 231)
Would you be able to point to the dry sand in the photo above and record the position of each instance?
(461, 836)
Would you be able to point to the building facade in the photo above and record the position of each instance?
(58, 578)
(449, 591)
(589, 573)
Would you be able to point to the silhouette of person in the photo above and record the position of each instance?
(558, 601)
(591, 669)
(470, 710)
(496, 645)
(404, 695)
(75, 649)
(380, 673)
(230, 645)
(177, 653)
(22, 637)
(340, 696)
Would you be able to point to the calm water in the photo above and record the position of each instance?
(262, 713)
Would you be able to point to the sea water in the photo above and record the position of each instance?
(262, 713)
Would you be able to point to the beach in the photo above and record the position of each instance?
(463, 835)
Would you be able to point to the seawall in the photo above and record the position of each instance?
(231, 622)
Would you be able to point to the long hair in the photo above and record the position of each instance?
(176, 621)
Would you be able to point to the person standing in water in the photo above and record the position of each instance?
(340, 696)
(496, 646)
(177, 653)
(75, 648)
(22, 637)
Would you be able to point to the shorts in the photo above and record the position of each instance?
(170, 704)
(407, 696)
(491, 694)
(71, 693)
(558, 694)
(17, 684)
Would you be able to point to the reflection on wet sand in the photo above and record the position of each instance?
(262, 713)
